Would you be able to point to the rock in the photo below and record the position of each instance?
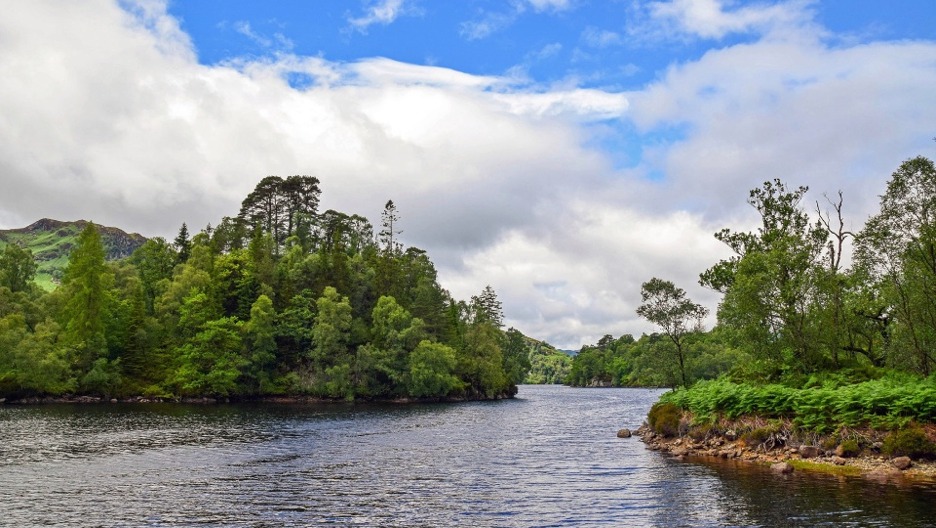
(808, 451)
(784, 468)
(882, 474)
(731, 435)
(902, 463)
(624, 433)
(113, 400)
(838, 461)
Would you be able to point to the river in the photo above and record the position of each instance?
(547, 458)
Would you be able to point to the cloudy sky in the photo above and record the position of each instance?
(562, 151)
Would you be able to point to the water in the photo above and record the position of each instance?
(548, 458)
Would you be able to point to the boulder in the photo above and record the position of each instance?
(838, 461)
(624, 433)
(902, 463)
(809, 451)
(784, 468)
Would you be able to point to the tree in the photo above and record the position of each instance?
(182, 244)
(332, 331)
(667, 306)
(260, 343)
(86, 283)
(389, 219)
(516, 356)
(486, 308)
(775, 284)
(431, 370)
(897, 252)
(17, 267)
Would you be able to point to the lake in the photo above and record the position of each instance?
(547, 458)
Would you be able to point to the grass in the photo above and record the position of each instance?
(821, 467)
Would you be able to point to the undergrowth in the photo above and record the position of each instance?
(890, 402)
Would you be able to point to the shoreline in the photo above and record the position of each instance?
(209, 400)
(789, 459)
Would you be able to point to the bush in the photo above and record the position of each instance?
(911, 441)
(664, 419)
(849, 448)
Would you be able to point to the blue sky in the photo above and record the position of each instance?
(561, 151)
(591, 43)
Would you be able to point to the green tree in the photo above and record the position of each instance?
(667, 306)
(516, 356)
(183, 245)
(331, 333)
(260, 340)
(775, 284)
(210, 363)
(17, 267)
(896, 250)
(431, 371)
(87, 283)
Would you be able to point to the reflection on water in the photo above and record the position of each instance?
(548, 458)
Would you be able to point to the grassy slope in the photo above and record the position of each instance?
(51, 242)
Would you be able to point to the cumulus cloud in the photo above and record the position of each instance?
(107, 115)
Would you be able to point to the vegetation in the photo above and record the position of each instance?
(824, 346)
(280, 300)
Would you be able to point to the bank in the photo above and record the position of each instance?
(786, 453)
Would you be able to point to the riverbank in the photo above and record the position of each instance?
(785, 459)
(84, 399)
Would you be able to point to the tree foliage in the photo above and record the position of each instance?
(280, 299)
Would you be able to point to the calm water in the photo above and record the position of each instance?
(548, 458)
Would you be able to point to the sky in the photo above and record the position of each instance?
(561, 151)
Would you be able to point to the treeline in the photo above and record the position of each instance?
(279, 300)
(794, 306)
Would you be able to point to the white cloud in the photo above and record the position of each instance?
(550, 5)
(494, 176)
(601, 38)
(383, 12)
(714, 19)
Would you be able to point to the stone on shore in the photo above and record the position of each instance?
(784, 468)
(809, 451)
(624, 433)
(902, 463)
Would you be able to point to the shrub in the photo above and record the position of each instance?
(911, 441)
(849, 448)
(664, 419)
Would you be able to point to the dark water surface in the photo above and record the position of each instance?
(548, 458)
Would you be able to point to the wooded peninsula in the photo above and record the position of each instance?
(280, 300)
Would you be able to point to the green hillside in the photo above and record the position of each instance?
(51, 241)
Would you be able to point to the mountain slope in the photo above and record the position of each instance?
(51, 242)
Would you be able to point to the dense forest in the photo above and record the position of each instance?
(281, 299)
(817, 324)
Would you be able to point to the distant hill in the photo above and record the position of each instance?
(51, 242)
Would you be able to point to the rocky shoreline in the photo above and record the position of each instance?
(787, 459)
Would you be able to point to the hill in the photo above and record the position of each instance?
(51, 242)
